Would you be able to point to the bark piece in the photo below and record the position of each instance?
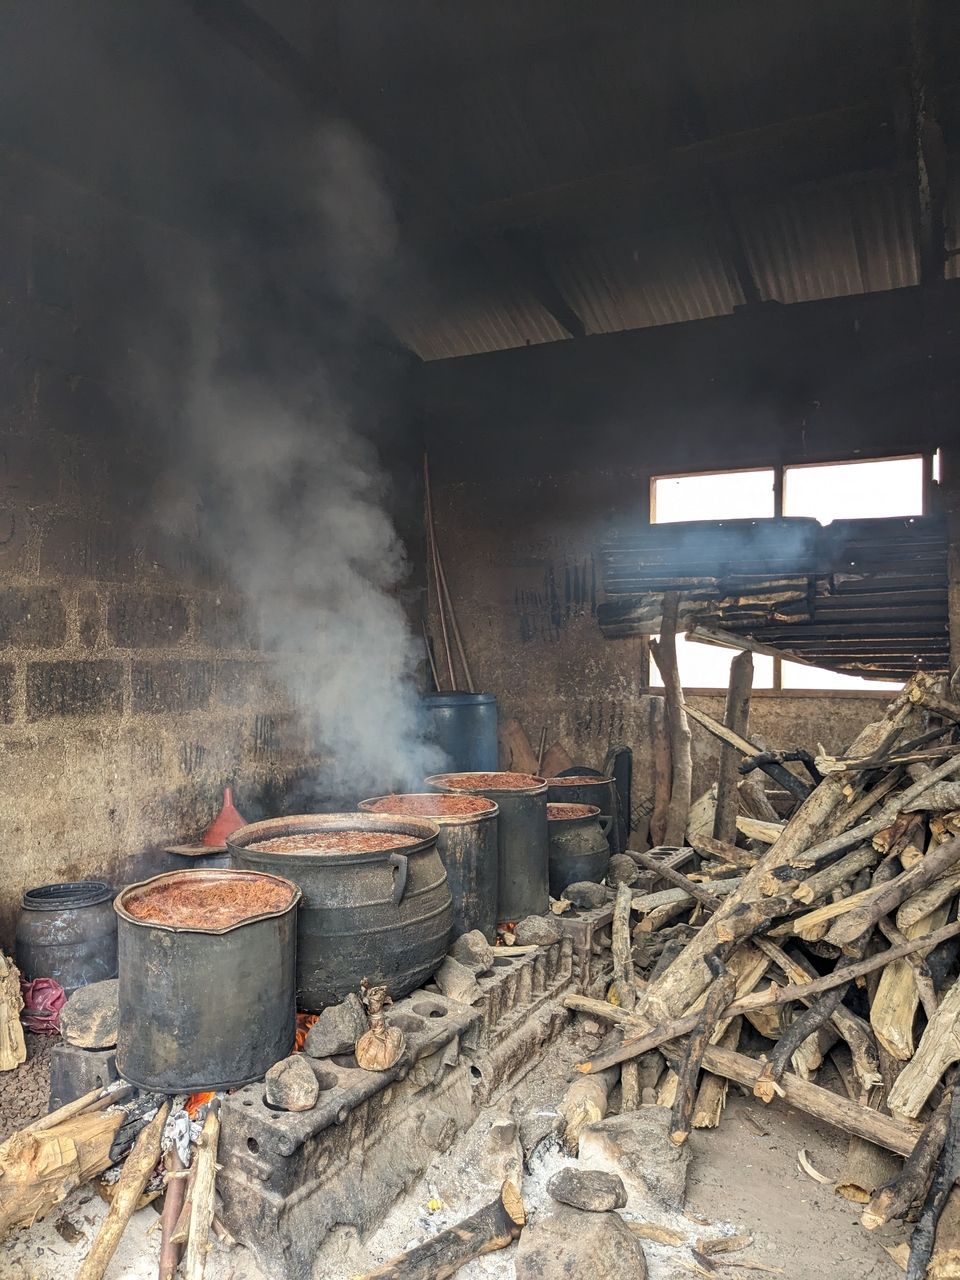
(493, 1227)
(13, 1049)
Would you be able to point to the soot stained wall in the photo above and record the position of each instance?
(133, 684)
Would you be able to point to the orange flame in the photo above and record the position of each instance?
(195, 1102)
(304, 1022)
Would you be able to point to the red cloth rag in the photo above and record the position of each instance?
(42, 1001)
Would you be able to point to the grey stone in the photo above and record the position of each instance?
(589, 1189)
(537, 931)
(586, 895)
(636, 1146)
(338, 1029)
(622, 870)
(291, 1084)
(474, 951)
(570, 1245)
(89, 1018)
(457, 982)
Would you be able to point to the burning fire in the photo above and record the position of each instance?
(195, 1102)
(304, 1022)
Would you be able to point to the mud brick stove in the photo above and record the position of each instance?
(288, 1178)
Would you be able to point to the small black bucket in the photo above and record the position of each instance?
(67, 932)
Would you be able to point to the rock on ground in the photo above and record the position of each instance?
(473, 951)
(570, 1245)
(586, 895)
(636, 1146)
(457, 982)
(90, 1017)
(588, 1189)
(622, 869)
(537, 931)
(337, 1029)
(291, 1084)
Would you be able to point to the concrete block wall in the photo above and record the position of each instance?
(133, 682)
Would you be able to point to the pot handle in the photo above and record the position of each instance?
(399, 863)
(606, 822)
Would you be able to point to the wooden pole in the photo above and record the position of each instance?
(665, 655)
(204, 1191)
(624, 980)
(736, 717)
(442, 580)
(137, 1168)
(434, 562)
(660, 753)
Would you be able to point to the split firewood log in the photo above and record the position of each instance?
(13, 1049)
(493, 1227)
(867, 1166)
(41, 1165)
(718, 997)
(894, 1005)
(945, 1175)
(938, 1049)
(203, 1194)
(664, 653)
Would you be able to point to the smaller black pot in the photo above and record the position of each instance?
(585, 786)
(578, 845)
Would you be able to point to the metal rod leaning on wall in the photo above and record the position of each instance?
(442, 585)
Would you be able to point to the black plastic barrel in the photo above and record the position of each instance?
(523, 880)
(384, 913)
(201, 1007)
(67, 932)
(464, 727)
(467, 845)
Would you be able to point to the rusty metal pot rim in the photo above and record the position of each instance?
(441, 819)
(209, 874)
(306, 824)
(590, 811)
(437, 780)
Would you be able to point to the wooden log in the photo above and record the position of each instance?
(919, 905)
(941, 798)
(894, 1005)
(137, 1168)
(40, 1167)
(867, 912)
(678, 879)
(720, 851)
(910, 1186)
(945, 1259)
(13, 1048)
(887, 1131)
(624, 981)
(643, 1041)
(660, 757)
(938, 1049)
(712, 1097)
(944, 1176)
(601, 1009)
(516, 752)
(718, 997)
(703, 810)
(821, 883)
(493, 1227)
(764, 832)
(867, 1166)
(664, 653)
(808, 1023)
(173, 1198)
(204, 1194)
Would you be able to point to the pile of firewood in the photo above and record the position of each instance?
(42, 1164)
(830, 927)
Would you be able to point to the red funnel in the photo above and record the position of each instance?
(225, 823)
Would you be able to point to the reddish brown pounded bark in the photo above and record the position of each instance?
(336, 842)
(202, 903)
(429, 805)
(489, 781)
(565, 812)
(578, 780)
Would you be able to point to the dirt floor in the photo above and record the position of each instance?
(740, 1179)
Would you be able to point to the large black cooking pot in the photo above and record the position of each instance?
(385, 915)
(205, 1007)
